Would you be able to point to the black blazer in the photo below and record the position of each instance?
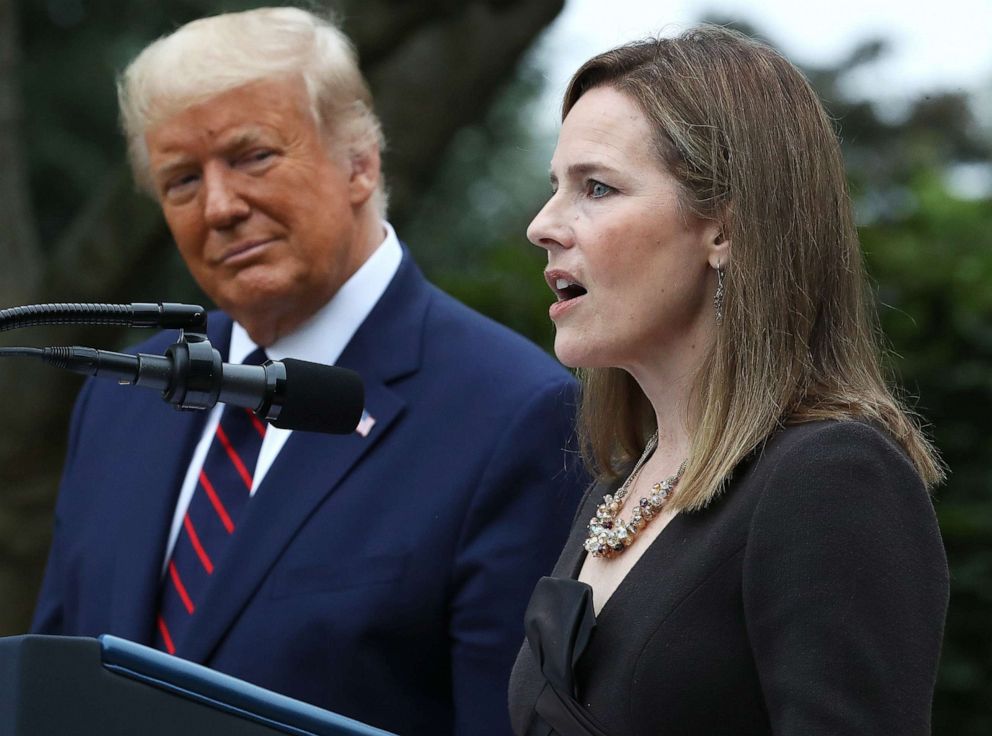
(808, 599)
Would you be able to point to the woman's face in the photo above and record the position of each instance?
(631, 270)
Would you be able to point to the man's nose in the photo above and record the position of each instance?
(223, 205)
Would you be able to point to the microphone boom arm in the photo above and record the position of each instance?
(137, 314)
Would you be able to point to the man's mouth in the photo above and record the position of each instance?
(244, 249)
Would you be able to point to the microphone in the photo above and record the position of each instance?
(290, 394)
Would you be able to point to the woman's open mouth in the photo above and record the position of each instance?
(567, 289)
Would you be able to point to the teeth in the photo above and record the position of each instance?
(562, 283)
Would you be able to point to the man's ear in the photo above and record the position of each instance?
(365, 173)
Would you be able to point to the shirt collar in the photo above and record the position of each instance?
(323, 337)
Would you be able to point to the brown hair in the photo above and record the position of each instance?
(751, 146)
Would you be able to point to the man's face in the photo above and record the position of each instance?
(263, 212)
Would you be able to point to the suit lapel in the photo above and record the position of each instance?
(146, 509)
(312, 466)
(309, 468)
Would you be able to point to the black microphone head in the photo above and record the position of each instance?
(320, 398)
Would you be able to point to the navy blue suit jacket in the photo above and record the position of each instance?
(382, 577)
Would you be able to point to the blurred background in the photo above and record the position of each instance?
(468, 91)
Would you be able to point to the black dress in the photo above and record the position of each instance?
(808, 599)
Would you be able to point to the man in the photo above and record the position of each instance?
(382, 575)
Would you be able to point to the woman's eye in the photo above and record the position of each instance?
(598, 189)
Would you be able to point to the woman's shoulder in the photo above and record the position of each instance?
(844, 577)
(825, 436)
(807, 450)
(837, 468)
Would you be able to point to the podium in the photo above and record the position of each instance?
(64, 686)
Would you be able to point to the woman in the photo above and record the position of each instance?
(760, 555)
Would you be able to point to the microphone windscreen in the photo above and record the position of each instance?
(320, 398)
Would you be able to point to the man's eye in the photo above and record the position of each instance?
(180, 184)
(258, 156)
(598, 189)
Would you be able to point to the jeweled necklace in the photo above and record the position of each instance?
(608, 535)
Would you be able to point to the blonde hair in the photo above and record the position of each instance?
(752, 148)
(209, 56)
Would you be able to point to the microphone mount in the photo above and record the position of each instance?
(196, 368)
(195, 377)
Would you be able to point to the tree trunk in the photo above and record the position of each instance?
(18, 243)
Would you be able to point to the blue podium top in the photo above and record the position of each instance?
(226, 693)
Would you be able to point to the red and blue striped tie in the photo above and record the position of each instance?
(210, 521)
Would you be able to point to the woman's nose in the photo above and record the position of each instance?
(547, 230)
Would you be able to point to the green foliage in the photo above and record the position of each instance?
(506, 283)
(933, 268)
(468, 229)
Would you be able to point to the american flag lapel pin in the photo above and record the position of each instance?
(365, 424)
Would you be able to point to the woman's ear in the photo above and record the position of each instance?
(717, 246)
